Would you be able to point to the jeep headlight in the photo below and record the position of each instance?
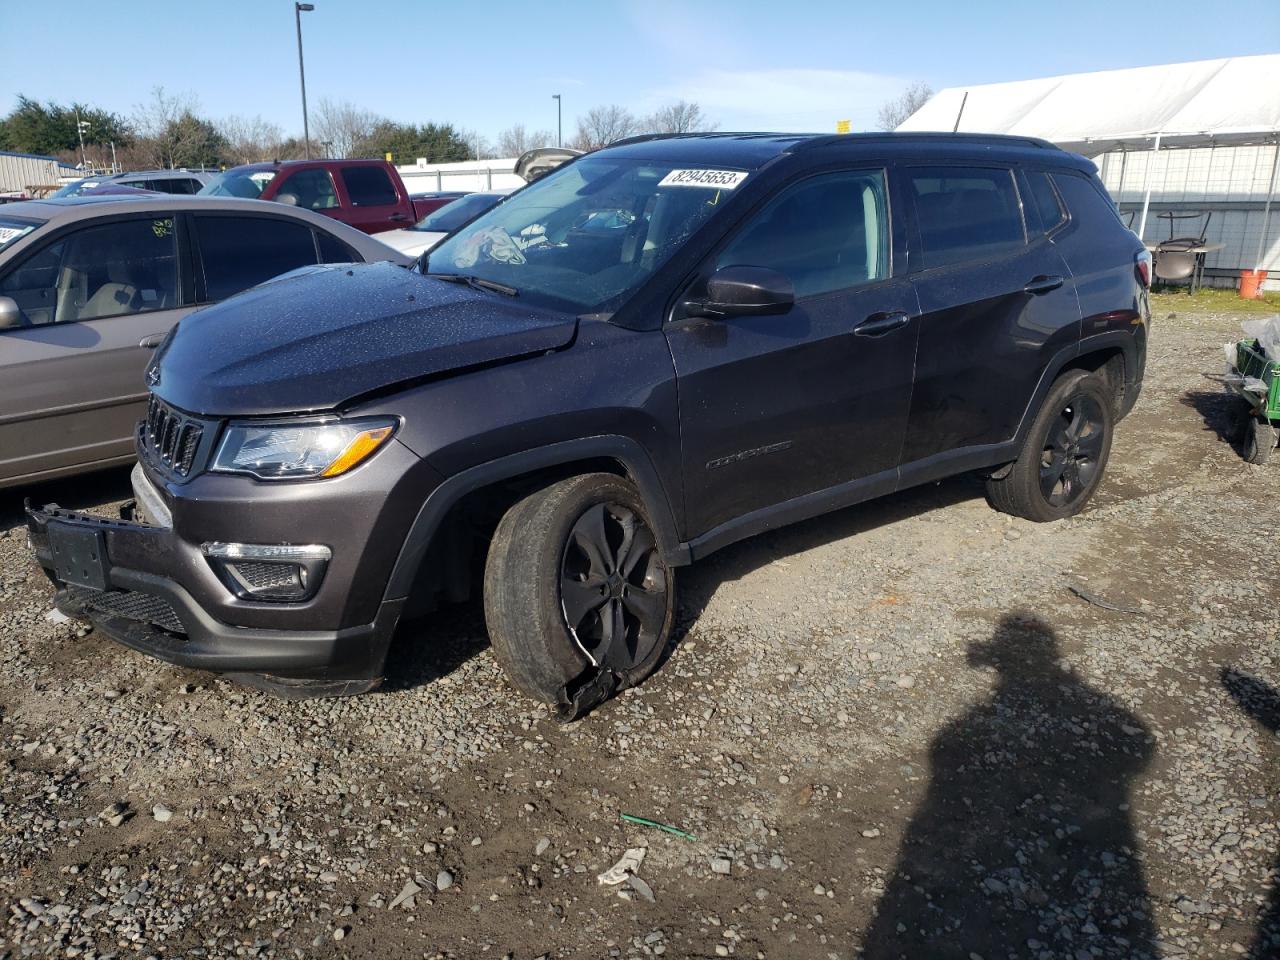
(301, 449)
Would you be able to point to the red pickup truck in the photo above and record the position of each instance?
(367, 194)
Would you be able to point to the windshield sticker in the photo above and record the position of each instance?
(708, 179)
(8, 234)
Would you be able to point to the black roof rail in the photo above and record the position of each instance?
(935, 136)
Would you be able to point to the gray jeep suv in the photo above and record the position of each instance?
(656, 350)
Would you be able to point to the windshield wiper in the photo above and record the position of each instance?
(477, 283)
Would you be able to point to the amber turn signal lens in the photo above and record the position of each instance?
(358, 450)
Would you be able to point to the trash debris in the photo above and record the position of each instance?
(57, 616)
(1267, 332)
(1097, 601)
(674, 831)
(640, 887)
(406, 894)
(629, 863)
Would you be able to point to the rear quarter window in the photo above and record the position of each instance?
(966, 213)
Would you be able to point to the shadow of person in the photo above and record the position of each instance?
(1261, 702)
(1023, 845)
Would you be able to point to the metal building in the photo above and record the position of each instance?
(21, 171)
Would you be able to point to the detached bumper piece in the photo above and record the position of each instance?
(97, 564)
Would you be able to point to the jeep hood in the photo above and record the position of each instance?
(321, 336)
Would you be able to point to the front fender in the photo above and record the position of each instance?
(628, 452)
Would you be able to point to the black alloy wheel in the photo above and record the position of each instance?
(613, 587)
(1073, 450)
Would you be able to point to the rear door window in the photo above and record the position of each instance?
(1046, 201)
(826, 233)
(311, 189)
(966, 213)
(240, 252)
(368, 186)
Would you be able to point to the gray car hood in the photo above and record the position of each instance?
(319, 337)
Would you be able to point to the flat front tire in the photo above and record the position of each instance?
(577, 596)
(1064, 455)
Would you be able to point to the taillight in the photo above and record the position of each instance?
(1143, 263)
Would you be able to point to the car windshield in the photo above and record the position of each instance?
(583, 238)
(457, 212)
(247, 184)
(12, 229)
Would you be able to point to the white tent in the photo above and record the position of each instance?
(1229, 102)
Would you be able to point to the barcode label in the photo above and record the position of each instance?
(710, 179)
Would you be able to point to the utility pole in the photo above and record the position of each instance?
(298, 10)
(80, 125)
(559, 127)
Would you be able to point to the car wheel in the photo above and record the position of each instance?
(1064, 454)
(1259, 440)
(578, 599)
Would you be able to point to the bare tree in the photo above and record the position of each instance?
(894, 112)
(601, 126)
(515, 140)
(164, 138)
(342, 127)
(250, 139)
(680, 117)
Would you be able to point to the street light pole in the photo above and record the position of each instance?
(80, 125)
(298, 10)
(559, 129)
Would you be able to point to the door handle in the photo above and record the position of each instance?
(152, 341)
(399, 217)
(1042, 284)
(878, 324)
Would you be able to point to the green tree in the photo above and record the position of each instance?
(437, 142)
(50, 128)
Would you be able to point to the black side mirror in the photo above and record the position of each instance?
(744, 291)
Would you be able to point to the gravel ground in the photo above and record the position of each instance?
(894, 731)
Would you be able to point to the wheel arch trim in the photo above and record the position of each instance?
(629, 454)
(1097, 343)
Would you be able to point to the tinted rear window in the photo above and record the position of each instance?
(368, 186)
(966, 213)
(239, 252)
(1085, 200)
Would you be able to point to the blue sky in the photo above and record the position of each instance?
(486, 64)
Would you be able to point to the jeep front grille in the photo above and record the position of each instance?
(170, 438)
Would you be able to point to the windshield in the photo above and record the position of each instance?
(457, 212)
(12, 229)
(585, 237)
(247, 184)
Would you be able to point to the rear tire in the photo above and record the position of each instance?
(1259, 440)
(1064, 455)
(577, 597)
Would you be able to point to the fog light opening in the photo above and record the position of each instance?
(285, 573)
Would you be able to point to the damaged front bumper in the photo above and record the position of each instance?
(119, 575)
